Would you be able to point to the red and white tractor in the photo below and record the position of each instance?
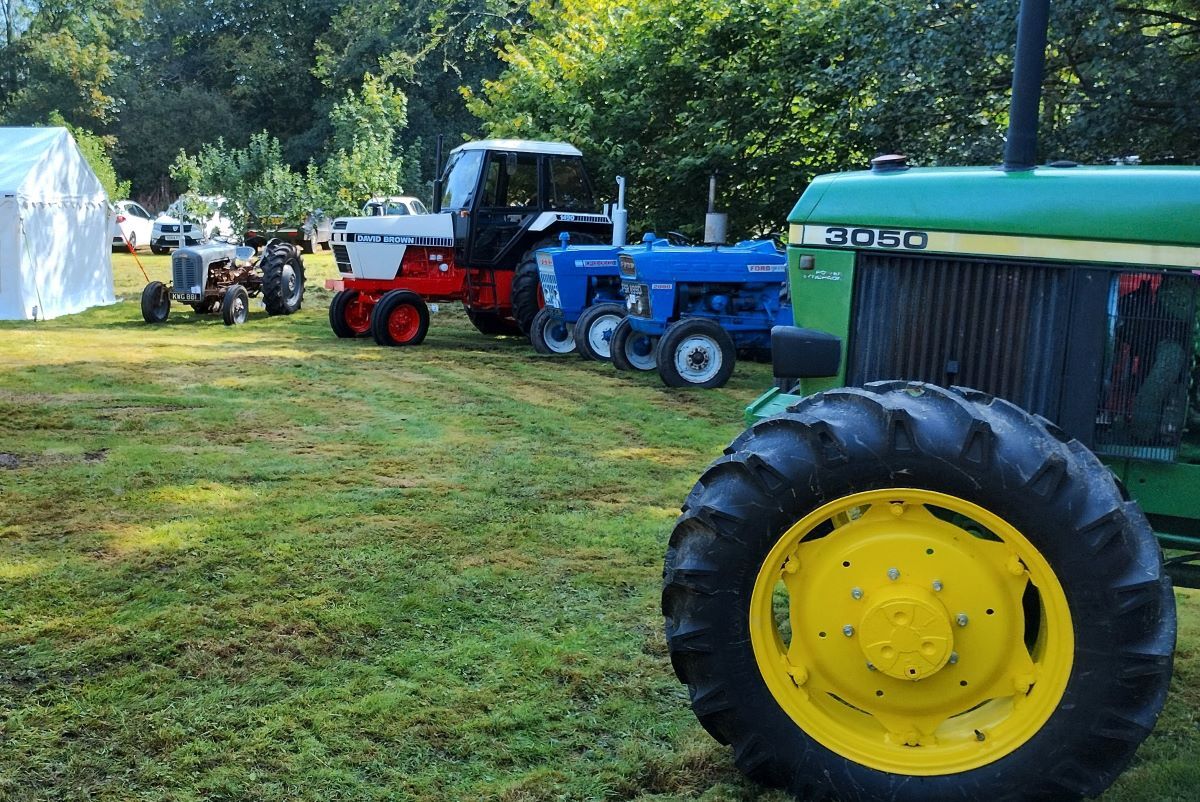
(497, 202)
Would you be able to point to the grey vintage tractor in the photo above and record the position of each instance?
(222, 276)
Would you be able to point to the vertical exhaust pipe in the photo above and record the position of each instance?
(620, 216)
(1029, 67)
(437, 176)
(715, 223)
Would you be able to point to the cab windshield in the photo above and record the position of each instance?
(461, 178)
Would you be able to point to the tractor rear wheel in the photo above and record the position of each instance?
(283, 278)
(349, 316)
(550, 334)
(527, 284)
(400, 318)
(632, 350)
(491, 323)
(595, 330)
(156, 302)
(235, 305)
(905, 592)
(695, 352)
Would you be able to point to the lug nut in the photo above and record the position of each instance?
(871, 667)
(937, 586)
(856, 593)
(893, 574)
(962, 619)
(953, 658)
(848, 631)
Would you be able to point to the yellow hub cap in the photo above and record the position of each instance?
(911, 631)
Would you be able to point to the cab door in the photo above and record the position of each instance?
(510, 199)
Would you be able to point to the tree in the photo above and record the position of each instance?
(96, 150)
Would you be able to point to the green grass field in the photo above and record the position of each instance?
(262, 563)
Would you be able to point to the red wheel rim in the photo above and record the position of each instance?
(403, 323)
(358, 316)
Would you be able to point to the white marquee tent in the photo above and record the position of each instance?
(54, 227)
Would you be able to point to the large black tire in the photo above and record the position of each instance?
(550, 334)
(695, 352)
(526, 283)
(594, 330)
(346, 318)
(283, 278)
(156, 302)
(235, 305)
(400, 318)
(491, 323)
(1098, 559)
(631, 350)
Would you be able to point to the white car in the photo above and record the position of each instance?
(131, 224)
(178, 226)
(393, 206)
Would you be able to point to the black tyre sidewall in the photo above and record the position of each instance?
(537, 332)
(1100, 547)
(583, 328)
(228, 313)
(680, 330)
(388, 304)
(620, 342)
(274, 294)
(151, 300)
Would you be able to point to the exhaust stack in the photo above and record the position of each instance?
(715, 223)
(437, 176)
(1029, 66)
(620, 216)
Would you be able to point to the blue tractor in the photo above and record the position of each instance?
(582, 288)
(691, 309)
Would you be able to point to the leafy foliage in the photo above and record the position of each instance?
(772, 93)
(96, 150)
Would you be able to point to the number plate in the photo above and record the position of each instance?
(186, 296)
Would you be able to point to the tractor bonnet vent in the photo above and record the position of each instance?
(995, 327)
(342, 257)
(187, 270)
(340, 224)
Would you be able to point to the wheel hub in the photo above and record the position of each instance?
(907, 634)
(697, 359)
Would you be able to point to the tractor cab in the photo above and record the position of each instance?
(495, 204)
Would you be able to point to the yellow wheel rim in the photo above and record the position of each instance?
(910, 631)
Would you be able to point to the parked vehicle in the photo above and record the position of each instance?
(691, 309)
(311, 235)
(131, 224)
(498, 202)
(393, 206)
(222, 277)
(581, 285)
(893, 587)
(189, 220)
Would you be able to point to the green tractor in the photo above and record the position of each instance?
(895, 587)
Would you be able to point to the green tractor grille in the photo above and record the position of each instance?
(995, 327)
(1027, 332)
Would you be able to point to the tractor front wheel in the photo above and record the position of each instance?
(156, 302)
(283, 278)
(595, 327)
(235, 305)
(695, 352)
(349, 314)
(630, 349)
(550, 334)
(400, 318)
(905, 592)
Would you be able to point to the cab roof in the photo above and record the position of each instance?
(1131, 204)
(522, 146)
